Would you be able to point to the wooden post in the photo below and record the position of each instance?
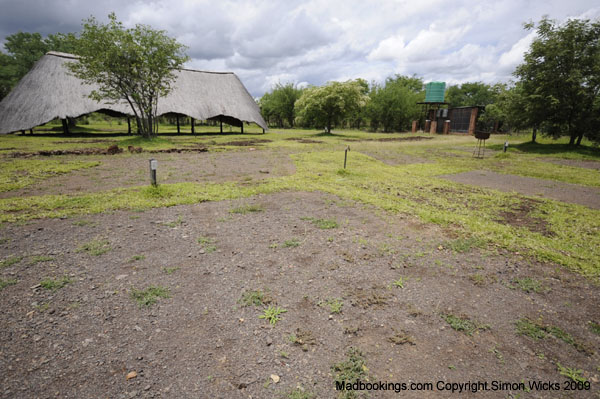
(128, 125)
(193, 132)
(22, 131)
(414, 127)
(242, 127)
(65, 126)
(446, 126)
(473, 120)
(433, 128)
(221, 125)
(31, 131)
(178, 129)
(427, 125)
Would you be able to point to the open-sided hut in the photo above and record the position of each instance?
(48, 91)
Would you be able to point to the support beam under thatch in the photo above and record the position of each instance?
(128, 125)
(65, 126)
(178, 128)
(242, 126)
(221, 125)
(193, 132)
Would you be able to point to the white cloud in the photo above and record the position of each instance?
(315, 41)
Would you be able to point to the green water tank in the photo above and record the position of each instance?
(434, 92)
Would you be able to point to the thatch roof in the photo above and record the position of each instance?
(49, 91)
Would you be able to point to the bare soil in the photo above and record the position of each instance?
(386, 139)
(83, 340)
(566, 192)
(130, 170)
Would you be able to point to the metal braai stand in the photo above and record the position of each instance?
(480, 148)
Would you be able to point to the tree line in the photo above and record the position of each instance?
(555, 91)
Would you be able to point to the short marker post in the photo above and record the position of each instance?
(153, 167)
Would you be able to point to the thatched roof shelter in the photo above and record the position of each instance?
(49, 91)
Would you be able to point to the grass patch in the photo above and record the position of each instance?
(136, 258)
(11, 260)
(464, 324)
(322, 223)
(207, 244)
(41, 258)
(255, 298)
(95, 247)
(399, 283)
(349, 370)
(571, 373)
(272, 314)
(462, 245)
(527, 284)
(55, 285)
(594, 327)
(20, 173)
(242, 210)
(83, 222)
(334, 304)
(175, 223)
(294, 242)
(150, 295)
(170, 270)
(5, 283)
(537, 330)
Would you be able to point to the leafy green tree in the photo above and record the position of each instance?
(560, 77)
(136, 65)
(471, 93)
(330, 104)
(278, 105)
(394, 104)
(23, 50)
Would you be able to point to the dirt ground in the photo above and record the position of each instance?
(566, 192)
(575, 162)
(83, 340)
(133, 170)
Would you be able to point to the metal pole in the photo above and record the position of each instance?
(153, 167)
(346, 156)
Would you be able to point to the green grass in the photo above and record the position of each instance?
(254, 298)
(150, 295)
(571, 373)
(462, 245)
(528, 285)
(95, 247)
(464, 324)
(170, 270)
(537, 330)
(298, 393)
(20, 173)
(55, 284)
(294, 242)
(242, 210)
(175, 223)
(136, 258)
(594, 327)
(322, 223)
(41, 258)
(5, 283)
(399, 283)
(349, 370)
(272, 314)
(334, 305)
(11, 260)
(409, 189)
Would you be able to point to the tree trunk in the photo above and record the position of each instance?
(579, 139)
(572, 140)
(534, 134)
(65, 126)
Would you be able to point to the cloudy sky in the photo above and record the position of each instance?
(312, 42)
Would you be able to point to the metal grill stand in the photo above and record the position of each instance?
(480, 148)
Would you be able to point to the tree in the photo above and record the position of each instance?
(136, 65)
(560, 77)
(23, 50)
(279, 103)
(328, 105)
(394, 104)
(471, 93)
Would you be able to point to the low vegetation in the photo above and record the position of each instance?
(464, 324)
(95, 247)
(537, 330)
(349, 370)
(149, 296)
(271, 314)
(55, 284)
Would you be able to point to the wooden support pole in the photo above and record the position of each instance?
(242, 127)
(31, 131)
(65, 126)
(178, 128)
(128, 125)
(221, 125)
(193, 132)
